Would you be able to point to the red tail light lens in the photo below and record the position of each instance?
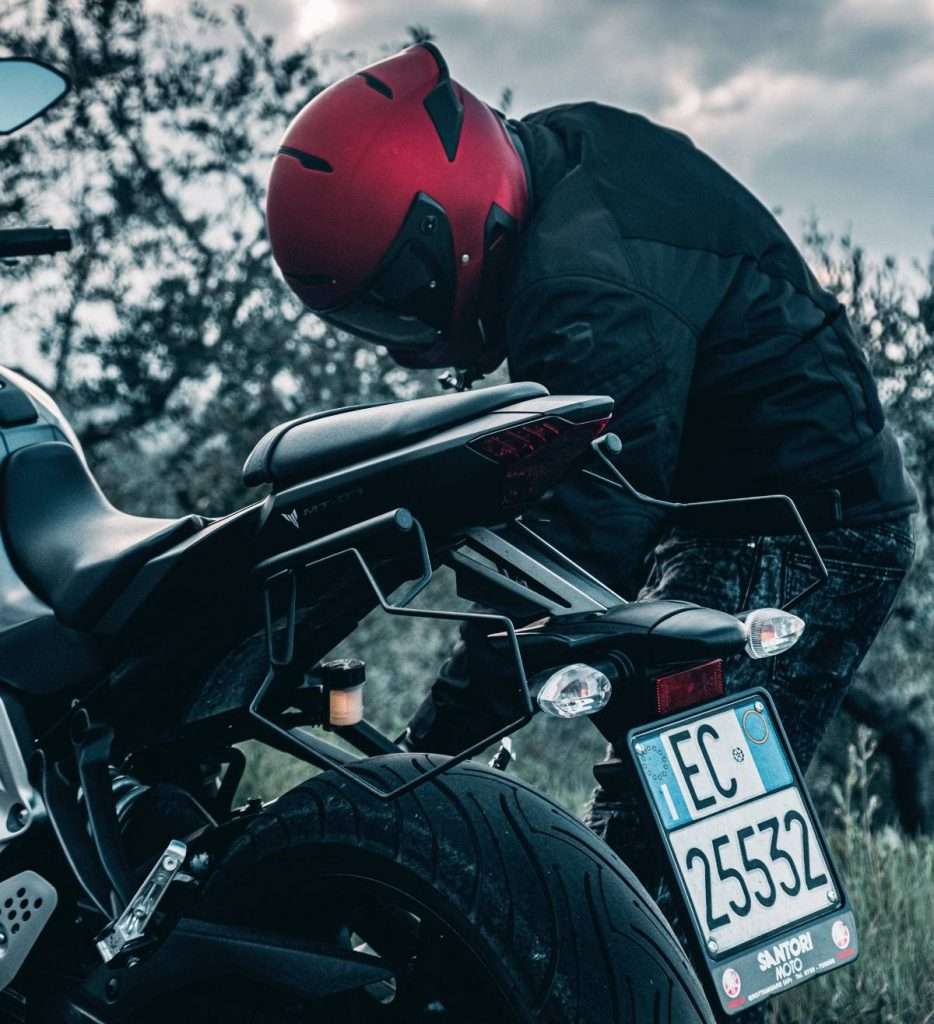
(537, 454)
(692, 686)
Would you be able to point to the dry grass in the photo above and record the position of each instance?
(891, 885)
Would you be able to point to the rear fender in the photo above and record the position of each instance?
(648, 632)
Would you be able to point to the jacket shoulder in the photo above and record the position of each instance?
(591, 117)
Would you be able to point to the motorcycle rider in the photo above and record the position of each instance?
(599, 252)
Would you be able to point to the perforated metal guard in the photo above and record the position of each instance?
(27, 901)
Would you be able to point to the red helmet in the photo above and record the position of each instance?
(393, 203)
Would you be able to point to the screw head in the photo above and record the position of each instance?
(639, 748)
(831, 896)
(759, 706)
(713, 945)
(134, 961)
(465, 257)
(429, 224)
(200, 862)
(170, 863)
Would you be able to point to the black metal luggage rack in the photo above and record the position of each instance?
(281, 688)
(284, 687)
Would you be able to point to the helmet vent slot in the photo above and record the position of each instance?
(443, 73)
(375, 83)
(447, 114)
(308, 160)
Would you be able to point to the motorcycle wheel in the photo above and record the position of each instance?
(489, 902)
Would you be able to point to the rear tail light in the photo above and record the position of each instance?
(692, 686)
(536, 455)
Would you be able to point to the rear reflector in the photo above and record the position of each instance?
(536, 455)
(692, 686)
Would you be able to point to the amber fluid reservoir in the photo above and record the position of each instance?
(343, 679)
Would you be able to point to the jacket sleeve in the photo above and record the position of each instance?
(584, 335)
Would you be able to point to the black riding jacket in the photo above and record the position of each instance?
(650, 274)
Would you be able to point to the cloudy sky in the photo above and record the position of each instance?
(815, 104)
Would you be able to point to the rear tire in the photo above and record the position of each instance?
(552, 917)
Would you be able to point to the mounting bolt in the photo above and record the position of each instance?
(759, 706)
(713, 945)
(170, 863)
(134, 961)
(639, 749)
(465, 257)
(831, 896)
(18, 818)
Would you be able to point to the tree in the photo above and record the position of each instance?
(894, 692)
(167, 334)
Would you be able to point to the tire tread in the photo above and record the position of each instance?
(552, 910)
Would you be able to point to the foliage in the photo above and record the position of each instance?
(894, 692)
(167, 334)
(889, 880)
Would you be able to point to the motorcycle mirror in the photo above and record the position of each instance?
(27, 89)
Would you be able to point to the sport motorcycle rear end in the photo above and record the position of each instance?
(134, 653)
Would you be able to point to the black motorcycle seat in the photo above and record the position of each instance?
(72, 548)
(311, 445)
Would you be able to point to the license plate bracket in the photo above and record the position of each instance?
(765, 901)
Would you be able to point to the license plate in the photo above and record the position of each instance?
(748, 855)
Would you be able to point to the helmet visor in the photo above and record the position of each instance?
(378, 323)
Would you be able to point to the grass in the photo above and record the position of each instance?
(890, 880)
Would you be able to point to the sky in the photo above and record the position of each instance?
(816, 105)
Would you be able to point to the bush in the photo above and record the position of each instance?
(890, 880)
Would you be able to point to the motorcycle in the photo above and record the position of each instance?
(136, 653)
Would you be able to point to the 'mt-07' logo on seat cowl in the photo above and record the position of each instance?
(295, 517)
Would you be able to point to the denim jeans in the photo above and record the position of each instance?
(866, 566)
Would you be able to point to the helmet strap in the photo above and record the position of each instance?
(516, 139)
(459, 380)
